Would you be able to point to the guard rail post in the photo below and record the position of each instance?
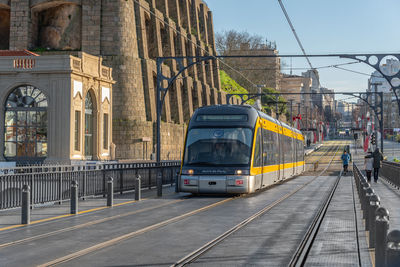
(138, 188)
(369, 194)
(26, 204)
(381, 231)
(374, 202)
(159, 184)
(393, 249)
(177, 182)
(110, 192)
(74, 197)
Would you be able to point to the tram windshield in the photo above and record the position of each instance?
(218, 146)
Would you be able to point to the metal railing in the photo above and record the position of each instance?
(391, 172)
(387, 245)
(52, 183)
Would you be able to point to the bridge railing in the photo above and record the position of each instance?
(52, 183)
(386, 245)
(391, 172)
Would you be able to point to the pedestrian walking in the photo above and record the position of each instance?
(377, 156)
(345, 158)
(369, 165)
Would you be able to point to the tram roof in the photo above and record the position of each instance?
(237, 109)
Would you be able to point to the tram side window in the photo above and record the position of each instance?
(301, 150)
(292, 149)
(269, 148)
(257, 150)
(288, 149)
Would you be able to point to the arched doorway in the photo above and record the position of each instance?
(25, 125)
(90, 131)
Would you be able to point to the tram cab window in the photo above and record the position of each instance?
(218, 146)
(257, 151)
(269, 148)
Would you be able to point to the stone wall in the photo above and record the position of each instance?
(129, 36)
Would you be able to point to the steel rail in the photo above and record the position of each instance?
(87, 224)
(300, 256)
(330, 148)
(199, 252)
(121, 238)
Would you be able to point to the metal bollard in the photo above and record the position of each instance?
(159, 184)
(26, 205)
(393, 249)
(368, 193)
(381, 230)
(138, 184)
(74, 197)
(177, 183)
(374, 202)
(110, 192)
(362, 197)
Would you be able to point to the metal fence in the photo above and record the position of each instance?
(391, 171)
(386, 245)
(52, 183)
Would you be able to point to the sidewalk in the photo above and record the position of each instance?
(390, 196)
(10, 219)
(336, 243)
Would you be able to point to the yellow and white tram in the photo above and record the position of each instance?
(238, 149)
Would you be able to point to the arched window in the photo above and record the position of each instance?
(25, 124)
(89, 123)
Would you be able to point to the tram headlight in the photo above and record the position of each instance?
(188, 172)
(242, 172)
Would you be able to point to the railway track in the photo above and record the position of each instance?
(191, 257)
(187, 259)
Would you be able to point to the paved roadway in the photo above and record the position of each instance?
(160, 231)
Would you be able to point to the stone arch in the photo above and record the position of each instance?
(4, 26)
(165, 44)
(193, 18)
(177, 45)
(150, 36)
(173, 10)
(57, 25)
(183, 14)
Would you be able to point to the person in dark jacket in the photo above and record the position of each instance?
(377, 155)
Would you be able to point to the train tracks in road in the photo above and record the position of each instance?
(191, 257)
(114, 240)
(315, 160)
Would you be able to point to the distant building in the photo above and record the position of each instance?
(295, 84)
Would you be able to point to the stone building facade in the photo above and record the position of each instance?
(56, 108)
(128, 35)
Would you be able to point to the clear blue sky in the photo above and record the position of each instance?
(324, 26)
